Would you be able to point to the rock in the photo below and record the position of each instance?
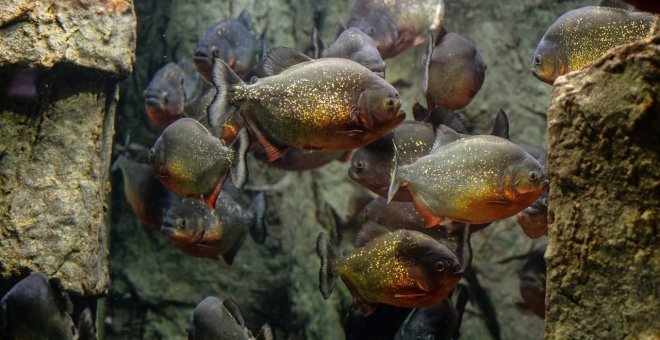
(604, 166)
(57, 125)
(94, 34)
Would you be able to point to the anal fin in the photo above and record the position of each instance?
(273, 153)
(430, 220)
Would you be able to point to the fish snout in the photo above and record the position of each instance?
(456, 269)
(201, 56)
(167, 231)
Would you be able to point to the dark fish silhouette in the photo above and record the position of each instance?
(534, 219)
(532, 282)
(381, 324)
(230, 40)
(217, 319)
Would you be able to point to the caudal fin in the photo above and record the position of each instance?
(258, 230)
(327, 276)
(394, 179)
(239, 170)
(222, 107)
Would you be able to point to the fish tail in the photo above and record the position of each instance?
(239, 170)
(225, 81)
(86, 329)
(327, 275)
(395, 181)
(258, 231)
(265, 333)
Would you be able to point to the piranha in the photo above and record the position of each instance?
(471, 179)
(38, 308)
(453, 73)
(582, 35)
(532, 282)
(327, 104)
(294, 159)
(396, 25)
(351, 44)
(199, 231)
(440, 321)
(190, 162)
(402, 268)
(145, 194)
(230, 40)
(371, 166)
(534, 219)
(164, 98)
(215, 319)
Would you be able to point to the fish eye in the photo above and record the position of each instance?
(440, 267)
(533, 176)
(359, 164)
(537, 60)
(152, 153)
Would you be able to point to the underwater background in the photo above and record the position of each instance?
(155, 287)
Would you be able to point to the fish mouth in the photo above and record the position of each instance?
(152, 100)
(545, 184)
(167, 231)
(201, 57)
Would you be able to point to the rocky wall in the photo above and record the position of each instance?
(604, 165)
(60, 63)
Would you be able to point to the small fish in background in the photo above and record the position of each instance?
(230, 40)
(581, 36)
(403, 268)
(532, 282)
(396, 25)
(145, 194)
(327, 104)
(215, 319)
(495, 179)
(453, 72)
(440, 322)
(38, 308)
(353, 44)
(534, 219)
(383, 323)
(199, 231)
(190, 162)
(294, 159)
(164, 98)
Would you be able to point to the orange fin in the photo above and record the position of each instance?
(273, 153)
(430, 220)
(214, 195)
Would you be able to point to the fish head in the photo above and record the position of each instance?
(157, 157)
(525, 181)
(548, 62)
(381, 29)
(370, 167)
(371, 59)
(164, 98)
(379, 106)
(437, 268)
(187, 222)
(231, 41)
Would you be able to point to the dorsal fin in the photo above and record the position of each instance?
(244, 18)
(616, 4)
(280, 58)
(368, 233)
(443, 136)
(339, 28)
(232, 307)
(317, 43)
(427, 61)
(500, 125)
(420, 112)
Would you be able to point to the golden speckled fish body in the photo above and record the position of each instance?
(464, 180)
(586, 33)
(312, 105)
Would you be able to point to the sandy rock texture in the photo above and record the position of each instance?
(604, 163)
(56, 130)
(94, 34)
